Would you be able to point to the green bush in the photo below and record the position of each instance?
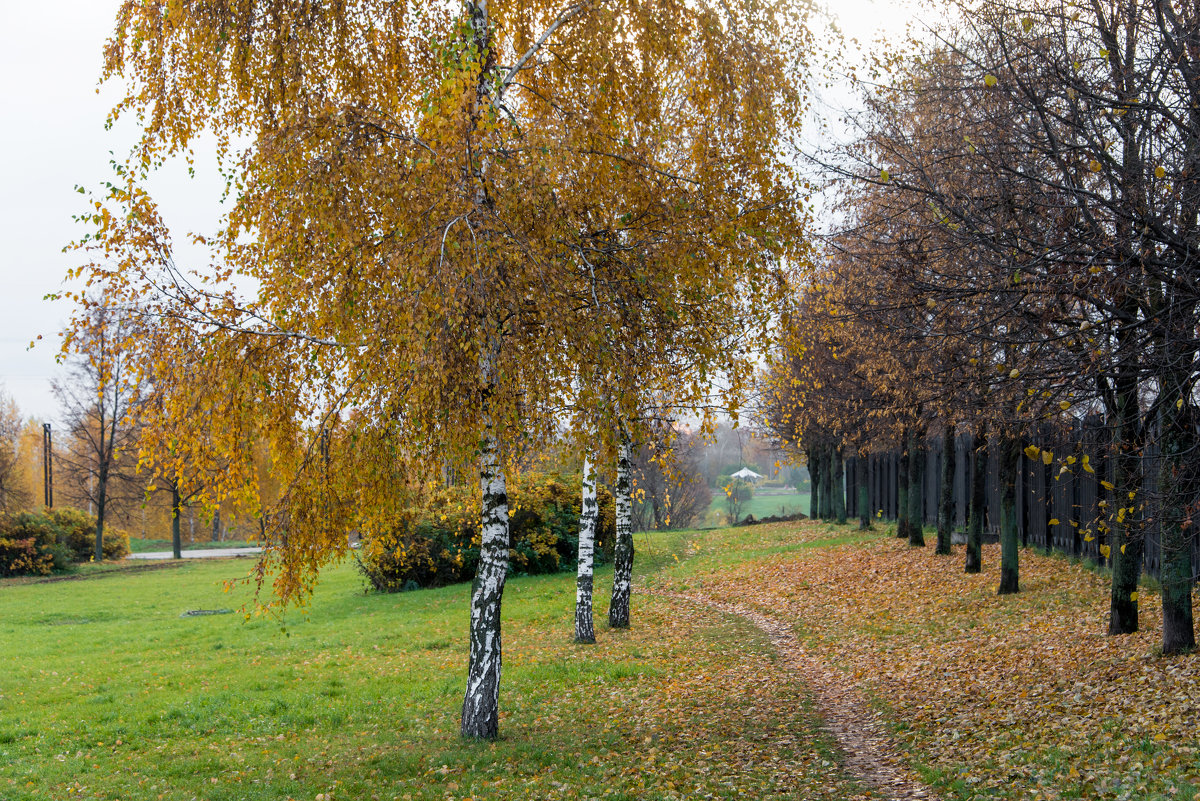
(51, 540)
(79, 535)
(438, 543)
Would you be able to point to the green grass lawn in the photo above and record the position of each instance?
(760, 506)
(137, 545)
(106, 692)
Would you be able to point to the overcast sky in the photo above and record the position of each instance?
(52, 138)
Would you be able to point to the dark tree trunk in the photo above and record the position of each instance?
(978, 485)
(916, 488)
(618, 608)
(1177, 485)
(1125, 536)
(814, 481)
(839, 485)
(1010, 454)
(862, 467)
(216, 525)
(589, 511)
(902, 483)
(945, 525)
(176, 537)
(827, 483)
(101, 504)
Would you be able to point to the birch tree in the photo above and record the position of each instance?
(406, 259)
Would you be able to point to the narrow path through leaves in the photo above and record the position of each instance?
(870, 754)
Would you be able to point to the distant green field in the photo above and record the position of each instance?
(137, 545)
(760, 506)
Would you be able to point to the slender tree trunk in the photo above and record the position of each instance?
(1125, 535)
(814, 481)
(827, 483)
(589, 511)
(945, 525)
(862, 469)
(618, 607)
(1010, 454)
(216, 525)
(101, 506)
(176, 536)
(839, 485)
(916, 488)
(481, 702)
(1177, 489)
(974, 557)
(902, 484)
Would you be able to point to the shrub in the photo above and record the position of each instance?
(79, 535)
(438, 543)
(51, 540)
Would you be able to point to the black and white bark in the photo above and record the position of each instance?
(481, 706)
(618, 608)
(589, 512)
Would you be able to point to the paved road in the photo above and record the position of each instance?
(209, 553)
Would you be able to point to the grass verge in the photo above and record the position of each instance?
(108, 693)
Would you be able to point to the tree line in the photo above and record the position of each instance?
(1017, 249)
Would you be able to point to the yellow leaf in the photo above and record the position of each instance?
(1087, 464)
(1032, 451)
(1094, 165)
(884, 176)
(1014, 373)
(1027, 24)
(1054, 521)
(1105, 551)
(989, 80)
(1122, 549)
(1106, 484)
(1070, 460)
(1047, 457)
(1158, 738)
(1159, 172)
(1064, 405)
(1133, 596)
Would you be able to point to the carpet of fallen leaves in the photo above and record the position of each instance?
(993, 697)
(706, 711)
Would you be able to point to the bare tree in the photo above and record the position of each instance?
(99, 398)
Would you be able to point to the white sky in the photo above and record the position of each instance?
(52, 138)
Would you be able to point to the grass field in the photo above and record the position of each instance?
(760, 506)
(137, 545)
(107, 693)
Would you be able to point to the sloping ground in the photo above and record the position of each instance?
(107, 693)
(1014, 697)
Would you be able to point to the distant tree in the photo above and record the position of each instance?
(14, 492)
(668, 476)
(99, 398)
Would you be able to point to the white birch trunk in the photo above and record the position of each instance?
(589, 511)
(481, 705)
(618, 608)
